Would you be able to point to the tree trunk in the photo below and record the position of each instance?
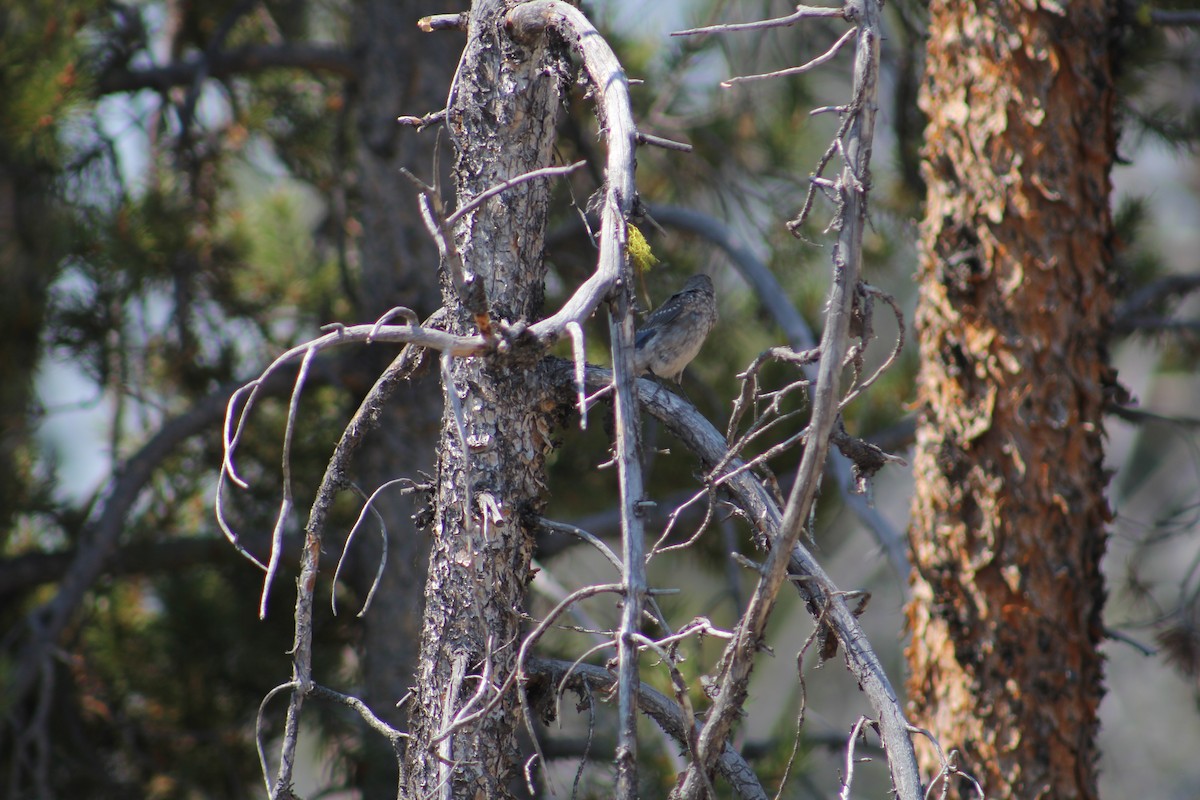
(491, 477)
(27, 255)
(398, 267)
(1009, 516)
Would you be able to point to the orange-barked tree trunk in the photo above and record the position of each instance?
(1009, 516)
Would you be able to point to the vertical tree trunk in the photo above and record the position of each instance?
(501, 121)
(27, 269)
(398, 267)
(1009, 517)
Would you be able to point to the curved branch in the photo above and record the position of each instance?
(529, 21)
(699, 436)
(614, 109)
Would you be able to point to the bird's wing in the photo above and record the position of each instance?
(665, 314)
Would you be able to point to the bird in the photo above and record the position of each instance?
(673, 333)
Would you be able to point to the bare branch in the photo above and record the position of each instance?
(285, 507)
(302, 681)
(369, 506)
(848, 777)
(666, 144)
(573, 530)
(482, 197)
(867, 290)
(579, 356)
(802, 12)
(528, 21)
(258, 733)
(421, 123)
(444, 22)
(467, 286)
(410, 319)
(739, 655)
(824, 58)
(363, 711)
(629, 472)
(546, 673)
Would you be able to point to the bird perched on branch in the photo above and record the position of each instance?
(672, 335)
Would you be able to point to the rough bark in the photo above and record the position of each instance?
(491, 479)
(1009, 516)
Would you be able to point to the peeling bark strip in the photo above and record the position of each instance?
(491, 480)
(1009, 515)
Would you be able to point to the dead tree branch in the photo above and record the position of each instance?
(821, 596)
(800, 336)
(854, 142)
(546, 675)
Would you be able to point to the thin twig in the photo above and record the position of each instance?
(363, 710)
(420, 123)
(258, 733)
(802, 12)
(855, 732)
(579, 356)
(368, 505)
(698, 435)
(666, 144)
(892, 356)
(483, 197)
(824, 58)
(443, 22)
(286, 503)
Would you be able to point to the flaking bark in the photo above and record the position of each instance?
(501, 119)
(1009, 517)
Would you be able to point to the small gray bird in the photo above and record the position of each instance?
(671, 336)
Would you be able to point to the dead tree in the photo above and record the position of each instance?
(479, 679)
